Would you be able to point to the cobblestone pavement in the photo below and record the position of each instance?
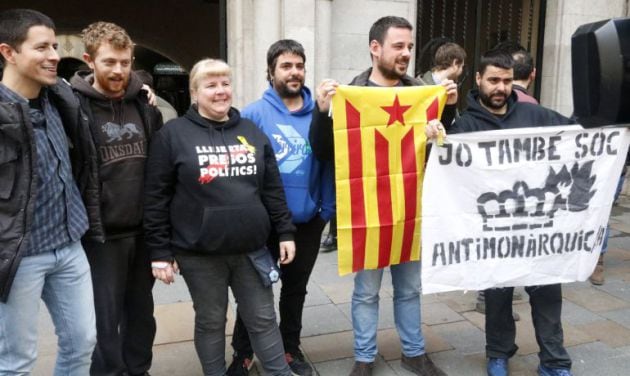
(596, 324)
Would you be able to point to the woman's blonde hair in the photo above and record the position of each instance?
(208, 68)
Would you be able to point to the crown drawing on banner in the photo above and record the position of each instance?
(525, 208)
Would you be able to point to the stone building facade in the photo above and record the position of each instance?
(335, 35)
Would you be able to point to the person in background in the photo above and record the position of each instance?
(166, 109)
(448, 64)
(524, 70)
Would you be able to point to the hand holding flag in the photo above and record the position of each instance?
(325, 91)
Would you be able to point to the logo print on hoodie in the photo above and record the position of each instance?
(221, 161)
(121, 142)
(116, 132)
(293, 149)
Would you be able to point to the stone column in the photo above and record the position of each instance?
(252, 26)
(239, 40)
(298, 22)
(334, 35)
(350, 26)
(322, 49)
(268, 29)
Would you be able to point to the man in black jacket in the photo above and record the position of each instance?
(495, 106)
(121, 123)
(391, 42)
(42, 217)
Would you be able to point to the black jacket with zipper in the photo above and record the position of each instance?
(87, 168)
(518, 115)
(18, 175)
(212, 188)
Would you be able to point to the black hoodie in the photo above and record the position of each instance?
(518, 115)
(120, 131)
(212, 188)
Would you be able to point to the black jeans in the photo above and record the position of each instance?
(293, 291)
(123, 301)
(208, 278)
(546, 304)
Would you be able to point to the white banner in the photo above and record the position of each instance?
(518, 207)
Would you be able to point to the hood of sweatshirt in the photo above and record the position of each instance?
(234, 116)
(308, 184)
(478, 111)
(216, 129)
(271, 95)
(82, 82)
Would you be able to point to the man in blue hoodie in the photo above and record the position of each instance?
(284, 114)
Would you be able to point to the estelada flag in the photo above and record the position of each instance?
(380, 150)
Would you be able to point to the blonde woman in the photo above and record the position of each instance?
(213, 194)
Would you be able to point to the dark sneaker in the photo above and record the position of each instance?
(241, 364)
(298, 365)
(546, 371)
(329, 244)
(497, 367)
(421, 365)
(362, 369)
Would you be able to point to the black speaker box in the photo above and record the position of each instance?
(600, 60)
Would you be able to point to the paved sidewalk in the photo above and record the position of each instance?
(596, 324)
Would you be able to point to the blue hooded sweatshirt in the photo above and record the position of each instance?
(308, 183)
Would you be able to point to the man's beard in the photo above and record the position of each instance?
(105, 83)
(285, 92)
(486, 100)
(390, 73)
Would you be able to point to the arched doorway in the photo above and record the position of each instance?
(182, 30)
(179, 32)
(170, 84)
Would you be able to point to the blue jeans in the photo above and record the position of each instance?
(407, 314)
(62, 279)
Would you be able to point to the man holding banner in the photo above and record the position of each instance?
(494, 106)
(391, 41)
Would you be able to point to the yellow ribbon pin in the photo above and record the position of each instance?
(249, 147)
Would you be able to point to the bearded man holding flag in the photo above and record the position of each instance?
(390, 43)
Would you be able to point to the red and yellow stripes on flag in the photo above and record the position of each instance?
(379, 165)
